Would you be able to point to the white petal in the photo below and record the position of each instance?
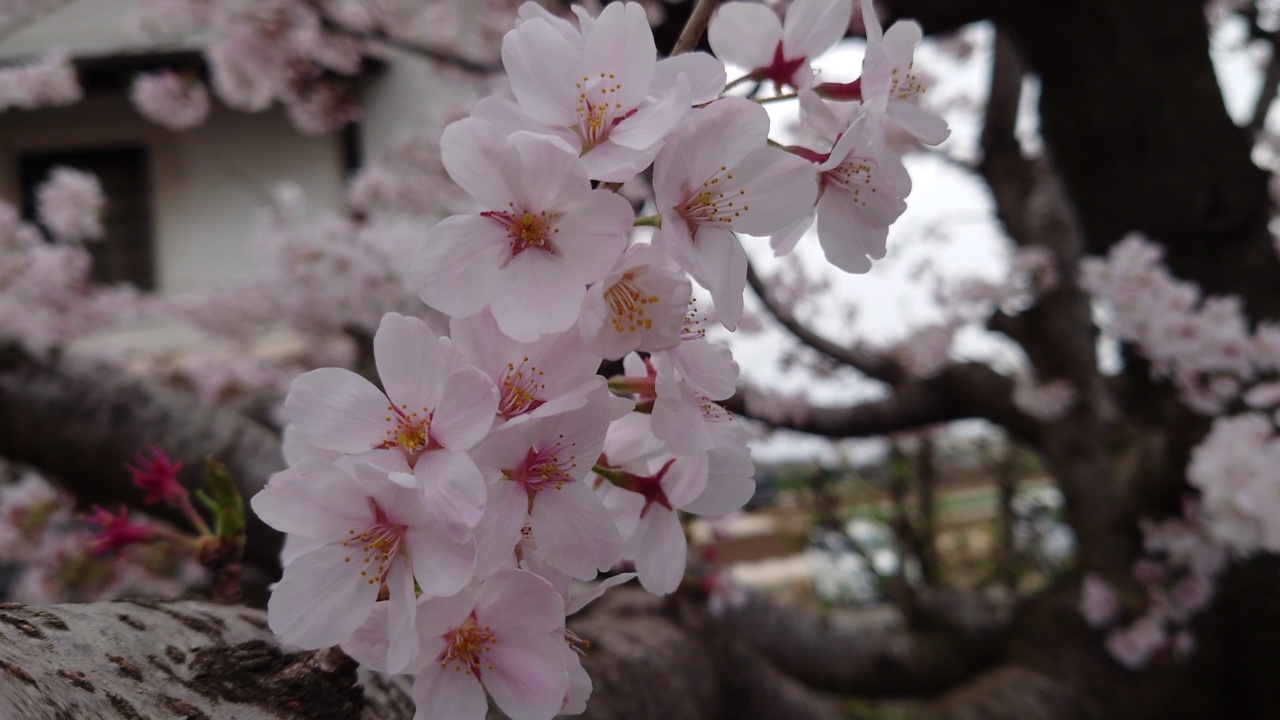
(466, 409)
(404, 349)
(723, 495)
(515, 598)
(440, 565)
(469, 152)
(744, 34)
(453, 488)
(456, 268)
(313, 500)
(846, 240)
(812, 27)
(927, 127)
(443, 693)
(338, 410)
(497, 533)
(779, 188)
(574, 530)
(658, 547)
(542, 70)
(705, 73)
(322, 598)
(542, 294)
(621, 46)
(529, 679)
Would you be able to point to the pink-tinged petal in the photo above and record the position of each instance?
(404, 349)
(818, 116)
(593, 233)
(624, 507)
(574, 530)
(745, 34)
(440, 565)
(846, 240)
(621, 46)
(543, 173)
(720, 266)
(707, 366)
(466, 410)
(658, 547)
(611, 162)
(784, 240)
(336, 409)
(402, 613)
(529, 678)
(321, 599)
(454, 490)
(900, 41)
(594, 591)
(719, 136)
(579, 684)
(686, 479)
(314, 500)
(780, 187)
(927, 127)
(296, 448)
(295, 546)
(723, 495)
(368, 644)
(440, 693)
(872, 22)
(456, 268)
(543, 294)
(498, 531)
(516, 598)
(469, 151)
(542, 70)
(812, 27)
(655, 119)
(705, 74)
(440, 616)
(568, 33)
(508, 119)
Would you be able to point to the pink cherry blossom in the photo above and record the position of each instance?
(749, 35)
(435, 407)
(543, 463)
(70, 205)
(170, 100)
(157, 475)
(543, 237)
(363, 535)
(553, 374)
(639, 305)
(889, 88)
(596, 91)
(506, 636)
(717, 177)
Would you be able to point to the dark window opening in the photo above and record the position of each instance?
(126, 253)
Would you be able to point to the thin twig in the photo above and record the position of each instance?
(1267, 92)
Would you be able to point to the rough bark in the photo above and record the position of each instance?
(82, 423)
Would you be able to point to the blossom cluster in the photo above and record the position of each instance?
(48, 81)
(442, 523)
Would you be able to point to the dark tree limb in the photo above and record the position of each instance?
(875, 366)
(82, 423)
(958, 392)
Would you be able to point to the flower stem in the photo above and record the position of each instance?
(736, 83)
(613, 475)
(648, 221)
(777, 98)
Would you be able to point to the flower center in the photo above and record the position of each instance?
(526, 230)
(520, 387)
(409, 430)
(904, 85)
(626, 304)
(543, 468)
(781, 71)
(466, 646)
(598, 110)
(379, 544)
(713, 202)
(853, 176)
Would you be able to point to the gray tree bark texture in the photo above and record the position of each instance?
(649, 659)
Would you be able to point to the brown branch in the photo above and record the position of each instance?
(879, 367)
(958, 392)
(695, 26)
(1267, 92)
(382, 37)
(873, 651)
(82, 423)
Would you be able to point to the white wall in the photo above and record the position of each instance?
(209, 185)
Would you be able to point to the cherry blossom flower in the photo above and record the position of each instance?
(544, 236)
(116, 531)
(749, 35)
(170, 100)
(718, 176)
(553, 374)
(543, 464)
(70, 205)
(435, 407)
(1098, 602)
(506, 636)
(639, 305)
(596, 92)
(889, 88)
(862, 189)
(363, 535)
